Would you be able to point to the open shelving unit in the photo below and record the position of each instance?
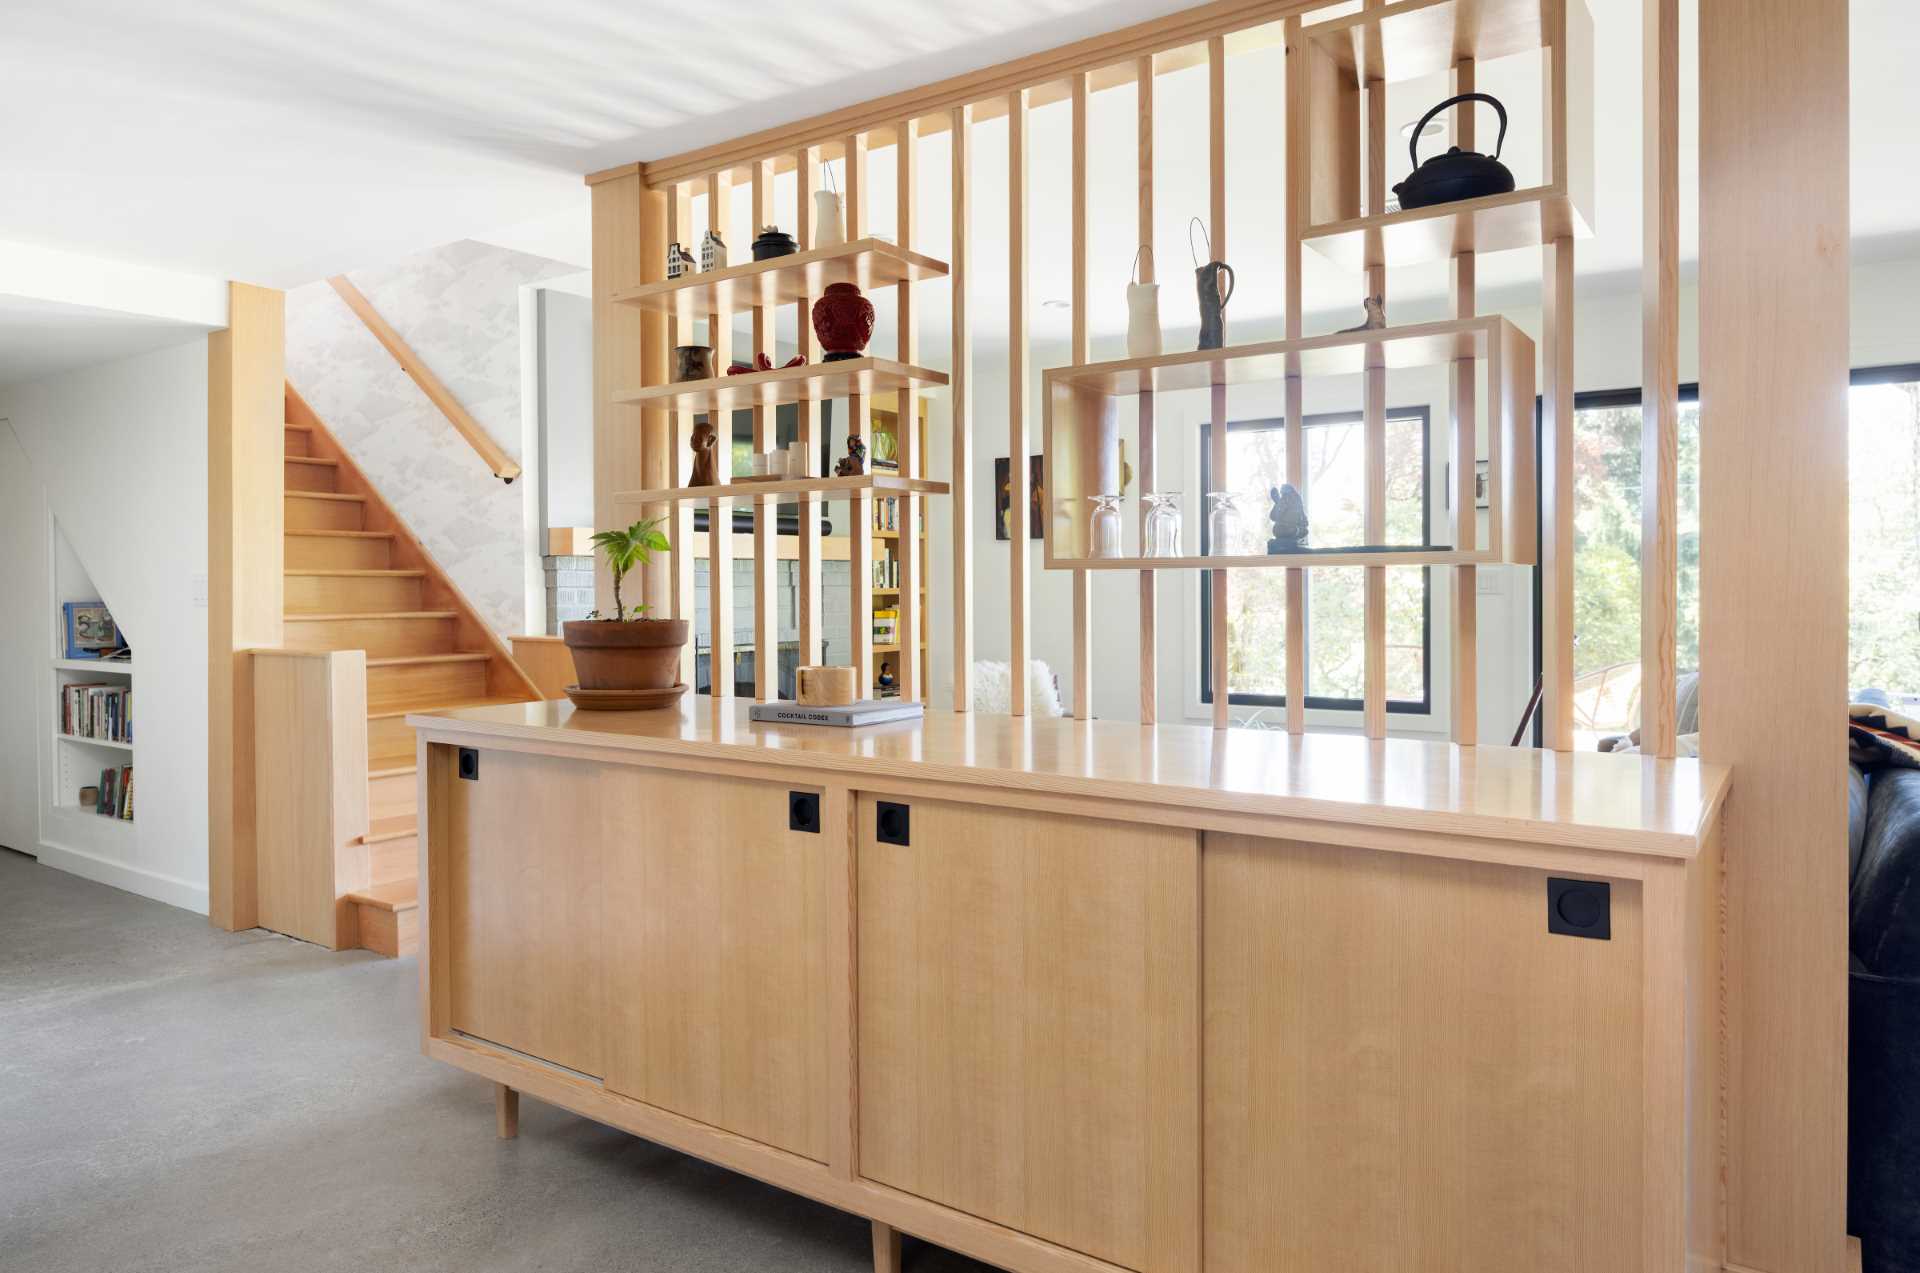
(75, 761)
(784, 280)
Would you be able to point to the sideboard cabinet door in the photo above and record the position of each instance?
(1029, 1022)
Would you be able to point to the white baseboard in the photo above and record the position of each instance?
(185, 894)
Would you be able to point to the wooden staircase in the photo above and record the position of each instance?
(357, 579)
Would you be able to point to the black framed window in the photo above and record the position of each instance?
(1335, 477)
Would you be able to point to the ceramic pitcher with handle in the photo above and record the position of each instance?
(1143, 309)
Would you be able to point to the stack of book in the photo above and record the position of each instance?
(886, 513)
(886, 627)
(97, 711)
(886, 572)
(116, 794)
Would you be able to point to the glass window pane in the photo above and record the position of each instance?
(1883, 646)
(1406, 634)
(1336, 629)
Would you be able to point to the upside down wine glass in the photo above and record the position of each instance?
(1162, 533)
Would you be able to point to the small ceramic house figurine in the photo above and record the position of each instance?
(713, 252)
(855, 462)
(678, 262)
(1289, 518)
(1376, 308)
(703, 443)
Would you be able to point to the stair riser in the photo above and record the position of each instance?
(340, 594)
(392, 797)
(393, 861)
(306, 552)
(389, 736)
(310, 477)
(323, 514)
(390, 933)
(297, 442)
(416, 681)
(375, 636)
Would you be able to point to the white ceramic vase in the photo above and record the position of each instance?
(1143, 312)
(829, 231)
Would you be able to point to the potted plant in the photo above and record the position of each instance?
(628, 652)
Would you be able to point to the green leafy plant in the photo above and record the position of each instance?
(625, 549)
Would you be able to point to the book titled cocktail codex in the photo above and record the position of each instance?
(868, 711)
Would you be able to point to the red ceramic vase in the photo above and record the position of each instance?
(843, 320)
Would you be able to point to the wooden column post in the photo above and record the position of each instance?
(1217, 436)
(1296, 219)
(1465, 580)
(623, 212)
(679, 209)
(1373, 694)
(906, 548)
(246, 418)
(960, 399)
(860, 552)
(766, 557)
(1081, 580)
(1149, 621)
(720, 511)
(1660, 367)
(806, 171)
(1018, 650)
(1773, 603)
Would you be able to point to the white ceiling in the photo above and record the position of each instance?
(278, 141)
(45, 338)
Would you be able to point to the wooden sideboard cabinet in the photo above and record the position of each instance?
(1075, 997)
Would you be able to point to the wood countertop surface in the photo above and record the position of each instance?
(1585, 800)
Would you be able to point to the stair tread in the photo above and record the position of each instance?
(393, 828)
(401, 895)
(344, 573)
(377, 709)
(405, 660)
(342, 534)
(373, 614)
(335, 496)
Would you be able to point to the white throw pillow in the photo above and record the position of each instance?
(993, 688)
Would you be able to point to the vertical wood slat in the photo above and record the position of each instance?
(806, 170)
(859, 424)
(1465, 580)
(1374, 428)
(960, 400)
(1296, 214)
(1081, 581)
(1017, 486)
(679, 199)
(720, 511)
(1660, 398)
(1774, 283)
(766, 562)
(1217, 435)
(1556, 546)
(1149, 654)
(907, 426)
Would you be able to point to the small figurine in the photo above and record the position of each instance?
(1376, 307)
(713, 252)
(855, 462)
(678, 262)
(886, 678)
(1289, 518)
(1126, 470)
(703, 443)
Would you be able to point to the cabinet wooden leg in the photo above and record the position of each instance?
(886, 1248)
(506, 1109)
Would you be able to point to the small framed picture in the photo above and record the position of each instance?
(90, 629)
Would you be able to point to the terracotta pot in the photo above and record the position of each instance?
(843, 320)
(641, 655)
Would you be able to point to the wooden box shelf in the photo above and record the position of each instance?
(866, 263)
(1424, 38)
(1080, 435)
(787, 490)
(810, 382)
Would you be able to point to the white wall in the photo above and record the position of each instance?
(461, 309)
(1607, 336)
(566, 406)
(118, 453)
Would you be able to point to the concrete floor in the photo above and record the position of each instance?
(173, 1097)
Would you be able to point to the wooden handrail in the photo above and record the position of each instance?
(489, 451)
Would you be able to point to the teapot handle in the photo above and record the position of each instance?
(1413, 146)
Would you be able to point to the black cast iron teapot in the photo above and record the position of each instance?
(1458, 174)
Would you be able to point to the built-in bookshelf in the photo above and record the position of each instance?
(887, 558)
(90, 719)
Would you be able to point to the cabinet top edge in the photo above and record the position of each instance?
(1588, 800)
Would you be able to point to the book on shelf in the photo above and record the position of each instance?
(116, 793)
(886, 627)
(97, 711)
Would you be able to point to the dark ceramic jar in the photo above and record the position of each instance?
(843, 320)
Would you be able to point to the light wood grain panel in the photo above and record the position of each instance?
(524, 875)
(1018, 586)
(619, 346)
(717, 989)
(1373, 694)
(960, 404)
(547, 662)
(1464, 581)
(1149, 472)
(807, 430)
(907, 437)
(860, 547)
(1398, 1057)
(1299, 185)
(1080, 583)
(766, 562)
(246, 378)
(720, 598)
(679, 213)
(971, 1092)
(1557, 497)
(1773, 600)
(310, 762)
(1660, 363)
(1217, 436)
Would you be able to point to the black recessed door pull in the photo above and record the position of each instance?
(469, 764)
(1580, 908)
(890, 822)
(803, 812)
